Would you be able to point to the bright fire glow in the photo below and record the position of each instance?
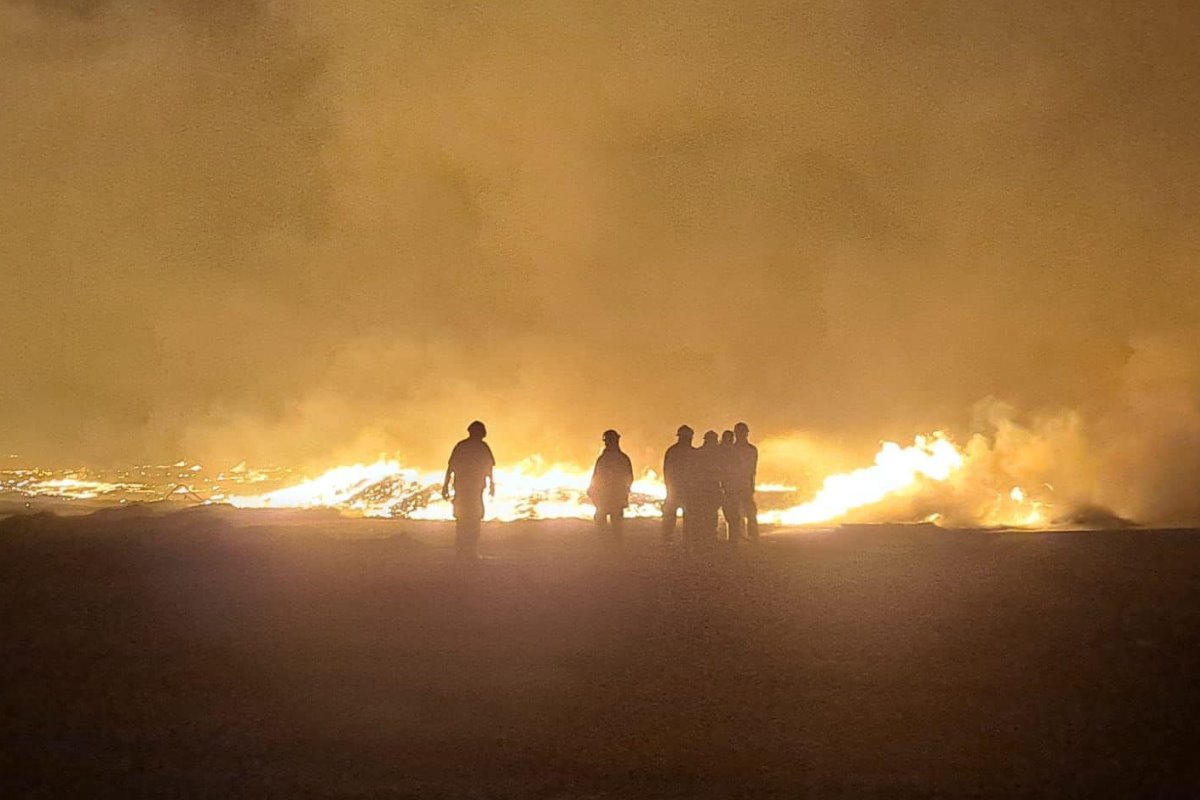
(534, 490)
(528, 490)
(939, 478)
(896, 469)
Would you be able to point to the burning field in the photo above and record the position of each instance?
(930, 480)
(263, 260)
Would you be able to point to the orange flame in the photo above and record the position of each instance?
(533, 490)
(932, 472)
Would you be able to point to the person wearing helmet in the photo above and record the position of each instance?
(470, 472)
(746, 466)
(611, 478)
(676, 467)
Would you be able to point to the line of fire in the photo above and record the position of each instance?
(927, 481)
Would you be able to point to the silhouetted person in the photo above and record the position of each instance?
(470, 469)
(702, 500)
(744, 479)
(676, 469)
(611, 478)
(729, 494)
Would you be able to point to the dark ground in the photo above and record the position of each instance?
(257, 655)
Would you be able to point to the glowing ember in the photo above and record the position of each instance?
(73, 487)
(339, 487)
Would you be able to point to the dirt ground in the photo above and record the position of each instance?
(251, 654)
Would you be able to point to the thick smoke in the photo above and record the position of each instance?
(276, 232)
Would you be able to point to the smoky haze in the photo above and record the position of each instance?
(296, 233)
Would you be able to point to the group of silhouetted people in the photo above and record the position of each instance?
(703, 482)
(716, 478)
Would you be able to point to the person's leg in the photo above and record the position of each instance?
(670, 511)
(466, 541)
(694, 517)
(618, 521)
(712, 513)
(733, 520)
(468, 510)
(750, 510)
(687, 522)
(473, 541)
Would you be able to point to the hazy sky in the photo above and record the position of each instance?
(301, 231)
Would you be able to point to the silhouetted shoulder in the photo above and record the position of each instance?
(471, 456)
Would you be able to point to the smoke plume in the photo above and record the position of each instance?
(280, 232)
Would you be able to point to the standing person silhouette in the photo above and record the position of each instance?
(611, 478)
(745, 477)
(704, 495)
(729, 494)
(470, 470)
(676, 468)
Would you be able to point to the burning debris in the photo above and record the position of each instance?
(529, 490)
(930, 480)
(182, 481)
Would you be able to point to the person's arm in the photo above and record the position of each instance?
(593, 484)
(449, 473)
(628, 474)
(491, 478)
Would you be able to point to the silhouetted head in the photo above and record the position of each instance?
(685, 434)
(710, 438)
(727, 437)
(611, 438)
(741, 430)
(477, 430)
